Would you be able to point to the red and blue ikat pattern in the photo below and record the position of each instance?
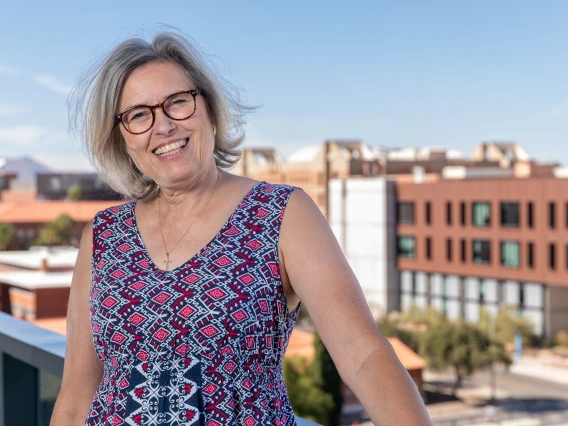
(202, 344)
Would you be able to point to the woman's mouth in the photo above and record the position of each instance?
(171, 148)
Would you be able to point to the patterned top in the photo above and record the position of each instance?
(201, 344)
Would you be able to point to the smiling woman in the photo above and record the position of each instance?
(99, 92)
(183, 300)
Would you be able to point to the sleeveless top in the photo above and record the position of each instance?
(202, 344)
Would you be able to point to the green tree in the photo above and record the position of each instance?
(507, 324)
(328, 379)
(7, 235)
(57, 232)
(393, 326)
(462, 346)
(75, 192)
(307, 398)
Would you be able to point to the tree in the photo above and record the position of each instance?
(7, 235)
(57, 232)
(507, 324)
(307, 398)
(329, 380)
(462, 346)
(75, 192)
(392, 326)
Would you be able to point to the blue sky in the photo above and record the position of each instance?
(405, 73)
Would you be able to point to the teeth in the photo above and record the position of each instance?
(171, 148)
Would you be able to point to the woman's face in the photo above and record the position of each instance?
(169, 166)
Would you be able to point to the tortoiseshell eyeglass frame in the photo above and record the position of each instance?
(193, 93)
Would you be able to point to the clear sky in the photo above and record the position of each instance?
(404, 73)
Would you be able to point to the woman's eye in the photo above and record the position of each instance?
(138, 116)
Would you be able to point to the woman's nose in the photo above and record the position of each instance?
(163, 125)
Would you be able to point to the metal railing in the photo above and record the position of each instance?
(31, 367)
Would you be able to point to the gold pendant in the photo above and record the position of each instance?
(167, 261)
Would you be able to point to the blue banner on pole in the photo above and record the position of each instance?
(518, 347)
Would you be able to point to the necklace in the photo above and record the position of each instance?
(167, 261)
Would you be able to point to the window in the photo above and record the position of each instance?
(481, 214)
(449, 249)
(463, 253)
(406, 247)
(481, 252)
(552, 256)
(405, 213)
(510, 254)
(462, 213)
(428, 248)
(448, 213)
(428, 213)
(510, 214)
(530, 214)
(552, 215)
(530, 255)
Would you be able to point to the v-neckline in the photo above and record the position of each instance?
(201, 250)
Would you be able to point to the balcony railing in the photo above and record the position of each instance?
(31, 367)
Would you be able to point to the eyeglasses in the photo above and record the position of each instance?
(140, 118)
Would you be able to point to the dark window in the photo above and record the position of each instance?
(481, 253)
(530, 214)
(510, 254)
(449, 249)
(405, 213)
(510, 214)
(449, 213)
(428, 213)
(463, 253)
(552, 215)
(406, 247)
(462, 213)
(428, 248)
(481, 214)
(552, 256)
(530, 255)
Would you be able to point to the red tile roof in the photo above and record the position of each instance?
(302, 344)
(39, 211)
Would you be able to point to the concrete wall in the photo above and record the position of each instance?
(362, 217)
(557, 310)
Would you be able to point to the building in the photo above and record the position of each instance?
(55, 186)
(35, 283)
(310, 167)
(265, 164)
(471, 243)
(313, 166)
(458, 244)
(363, 218)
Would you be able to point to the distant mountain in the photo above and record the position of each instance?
(25, 167)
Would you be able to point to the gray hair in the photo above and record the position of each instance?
(94, 100)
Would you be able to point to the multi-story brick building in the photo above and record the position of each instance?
(465, 244)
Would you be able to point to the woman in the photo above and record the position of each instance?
(201, 341)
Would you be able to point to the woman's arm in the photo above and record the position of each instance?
(322, 279)
(82, 372)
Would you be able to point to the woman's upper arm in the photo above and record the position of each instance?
(321, 277)
(83, 370)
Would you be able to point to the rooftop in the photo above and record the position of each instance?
(34, 280)
(37, 211)
(55, 257)
(302, 344)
